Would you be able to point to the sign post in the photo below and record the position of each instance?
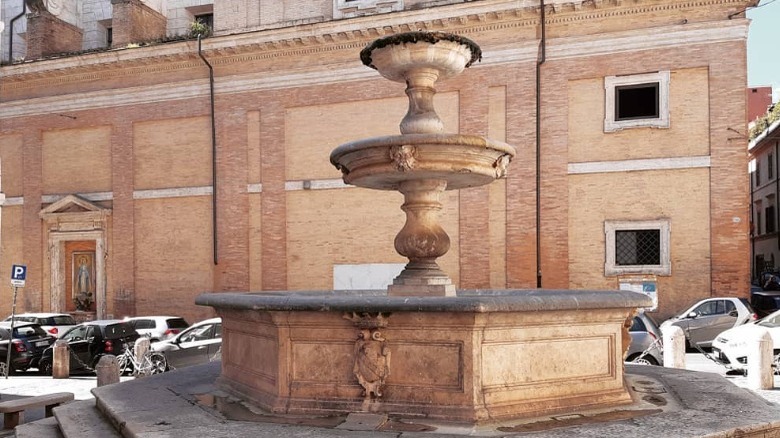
(18, 277)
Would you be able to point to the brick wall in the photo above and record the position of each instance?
(134, 22)
(48, 35)
(160, 250)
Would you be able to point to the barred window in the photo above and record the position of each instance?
(637, 247)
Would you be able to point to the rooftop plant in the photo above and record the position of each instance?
(765, 121)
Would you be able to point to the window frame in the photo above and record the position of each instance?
(612, 83)
(611, 268)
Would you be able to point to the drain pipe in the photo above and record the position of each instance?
(11, 32)
(213, 154)
(777, 196)
(540, 61)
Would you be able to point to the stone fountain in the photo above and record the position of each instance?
(423, 349)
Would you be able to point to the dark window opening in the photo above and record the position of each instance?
(769, 216)
(758, 223)
(637, 247)
(109, 36)
(207, 19)
(637, 102)
(758, 172)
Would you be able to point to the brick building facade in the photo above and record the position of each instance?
(108, 152)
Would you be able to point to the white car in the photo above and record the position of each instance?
(730, 347)
(158, 328)
(703, 321)
(54, 324)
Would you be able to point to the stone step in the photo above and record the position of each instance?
(82, 419)
(44, 428)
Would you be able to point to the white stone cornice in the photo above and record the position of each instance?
(646, 39)
(339, 34)
(637, 165)
(664, 37)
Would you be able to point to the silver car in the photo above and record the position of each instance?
(200, 343)
(646, 346)
(703, 321)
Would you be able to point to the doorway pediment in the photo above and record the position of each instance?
(72, 213)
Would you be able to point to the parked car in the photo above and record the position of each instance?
(195, 345)
(89, 341)
(53, 323)
(27, 345)
(765, 302)
(158, 328)
(730, 347)
(703, 321)
(646, 347)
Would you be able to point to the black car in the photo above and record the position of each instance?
(89, 341)
(27, 345)
(765, 302)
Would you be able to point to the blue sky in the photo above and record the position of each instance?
(764, 46)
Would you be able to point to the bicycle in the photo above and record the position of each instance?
(151, 363)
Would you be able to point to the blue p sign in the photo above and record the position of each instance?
(18, 275)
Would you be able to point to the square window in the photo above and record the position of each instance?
(636, 101)
(637, 247)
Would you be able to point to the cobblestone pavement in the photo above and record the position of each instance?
(30, 383)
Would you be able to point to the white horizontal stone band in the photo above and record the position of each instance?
(172, 193)
(635, 165)
(94, 197)
(12, 201)
(317, 184)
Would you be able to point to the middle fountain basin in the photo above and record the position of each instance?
(476, 357)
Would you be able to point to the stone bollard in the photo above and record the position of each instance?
(674, 347)
(107, 370)
(760, 355)
(139, 349)
(60, 367)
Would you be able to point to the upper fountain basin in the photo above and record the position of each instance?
(384, 162)
(396, 56)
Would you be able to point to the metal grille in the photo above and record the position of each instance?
(637, 247)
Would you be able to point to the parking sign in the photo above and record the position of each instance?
(18, 275)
